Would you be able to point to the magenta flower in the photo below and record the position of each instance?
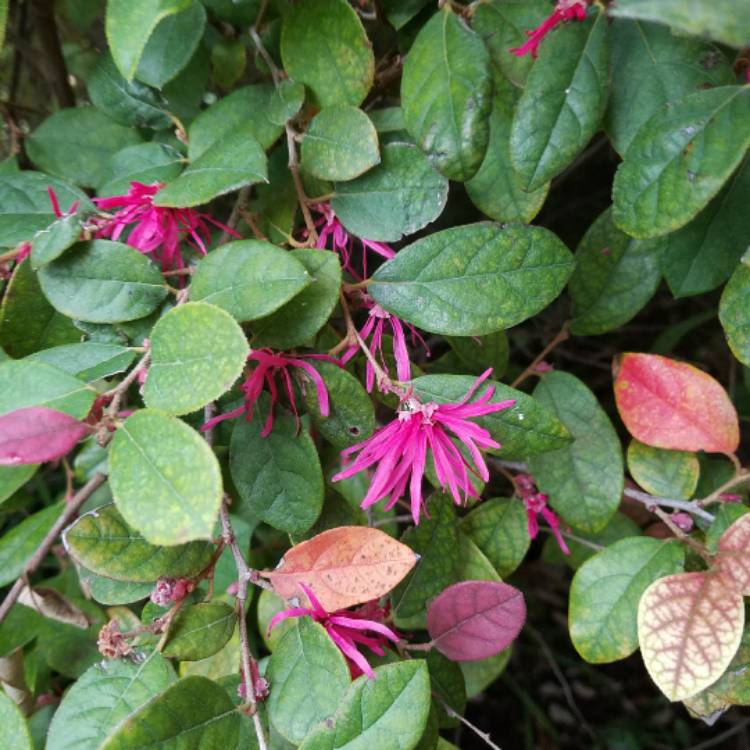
(56, 205)
(536, 504)
(347, 629)
(400, 449)
(330, 228)
(565, 10)
(269, 366)
(157, 230)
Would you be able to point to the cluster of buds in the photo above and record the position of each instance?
(112, 643)
(171, 591)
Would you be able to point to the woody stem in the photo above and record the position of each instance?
(561, 336)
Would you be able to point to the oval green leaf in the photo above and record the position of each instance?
(15, 729)
(662, 472)
(200, 630)
(734, 313)
(19, 544)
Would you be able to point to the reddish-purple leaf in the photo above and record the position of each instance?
(473, 620)
(38, 434)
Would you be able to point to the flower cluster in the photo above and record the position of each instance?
(112, 643)
(171, 590)
(536, 505)
(565, 10)
(347, 629)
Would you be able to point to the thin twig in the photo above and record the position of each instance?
(293, 164)
(690, 506)
(742, 477)
(485, 736)
(561, 336)
(119, 390)
(573, 538)
(234, 218)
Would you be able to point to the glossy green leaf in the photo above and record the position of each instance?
(18, 545)
(27, 383)
(16, 733)
(339, 71)
(102, 542)
(734, 313)
(105, 695)
(500, 529)
(473, 564)
(103, 282)
(13, 478)
(562, 102)
(200, 630)
(144, 162)
(88, 361)
(197, 352)
(494, 277)
(278, 477)
(663, 473)
(653, 68)
(301, 318)
(614, 278)
(584, 480)
(680, 159)
(480, 352)
(228, 164)
(722, 20)
(52, 242)
(157, 461)
(340, 144)
(193, 713)
(527, 428)
(446, 94)
(388, 713)
(110, 592)
(249, 279)
(310, 678)
(398, 197)
(130, 23)
(606, 590)
(76, 144)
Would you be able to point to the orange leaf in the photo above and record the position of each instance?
(344, 566)
(670, 404)
(689, 629)
(733, 556)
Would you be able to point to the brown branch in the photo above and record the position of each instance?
(484, 736)
(234, 218)
(561, 336)
(52, 58)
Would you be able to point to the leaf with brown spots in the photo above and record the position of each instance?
(343, 567)
(733, 556)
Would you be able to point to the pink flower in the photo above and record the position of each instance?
(330, 228)
(536, 504)
(400, 449)
(157, 230)
(565, 10)
(269, 366)
(168, 590)
(347, 629)
(56, 204)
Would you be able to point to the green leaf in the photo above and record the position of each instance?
(88, 361)
(52, 242)
(108, 591)
(479, 353)
(278, 477)
(497, 189)
(286, 101)
(527, 428)
(324, 46)
(102, 542)
(493, 277)
(436, 541)
(130, 23)
(301, 318)
(310, 679)
(249, 279)
(20, 627)
(144, 162)
(614, 278)
(340, 144)
(28, 322)
(25, 206)
(200, 630)
(734, 313)
(13, 478)
(227, 165)
(663, 473)
(447, 684)
(228, 61)
(18, 545)
(446, 95)
(680, 159)
(479, 675)
(606, 590)
(584, 480)
(652, 68)
(197, 352)
(473, 563)
(247, 107)
(398, 197)
(351, 417)
(16, 733)
(702, 255)
(722, 20)
(563, 101)
(387, 713)
(500, 529)
(127, 102)
(158, 462)
(103, 696)
(193, 713)
(103, 282)
(77, 143)
(27, 383)
(400, 12)
(171, 45)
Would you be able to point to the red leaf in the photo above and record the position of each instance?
(37, 434)
(670, 404)
(473, 620)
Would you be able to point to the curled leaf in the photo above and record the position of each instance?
(474, 620)
(53, 605)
